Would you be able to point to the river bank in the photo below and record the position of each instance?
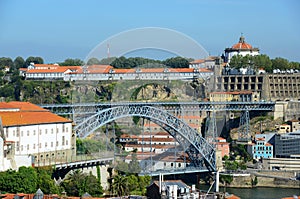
(277, 179)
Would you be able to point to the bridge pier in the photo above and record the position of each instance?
(217, 181)
(244, 129)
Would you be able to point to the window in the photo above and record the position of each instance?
(51, 131)
(27, 133)
(46, 131)
(51, 144)
(33, 146)
(17, 146)
(56, 143)
(40, 145)
(46, 144)
(63, 140)
(40, 131)
(21, 133)
(27, 146)
(33, 132)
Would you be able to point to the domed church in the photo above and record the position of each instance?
(240, 48)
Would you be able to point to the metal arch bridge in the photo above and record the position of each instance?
(201, 153)
(92, 108)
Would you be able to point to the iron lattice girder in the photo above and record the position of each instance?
(85, 108)
(199, 150)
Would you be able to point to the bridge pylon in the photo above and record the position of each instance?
(211, 127)
(244, 128)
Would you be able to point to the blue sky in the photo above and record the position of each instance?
(60, 29)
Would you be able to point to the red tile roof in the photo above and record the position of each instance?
(29, 114)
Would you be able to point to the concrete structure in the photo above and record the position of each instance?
(287, 145)
(288, 164)
(33, 135)
(295, 125)
(283, 128)
(274, 87)
(241, 48)
(241, 96)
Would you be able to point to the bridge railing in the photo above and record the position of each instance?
(73, 158)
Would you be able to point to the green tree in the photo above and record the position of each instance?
(72, 62)
(6, 61)
(77, 183)
(36, 60)
(22, 181)
(120, 185)
(294, 65)
(19, 62)
(263, 61)
(93, 61)
(107, 61)
(177, 62)
(45, 182)
(134, 166)
(280, 63)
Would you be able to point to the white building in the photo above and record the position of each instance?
(107, 72)
(241, 48)
(33, 135)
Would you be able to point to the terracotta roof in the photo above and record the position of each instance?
(190, 117)
(156, 139)
(268, 144)
(232, 197)
(5, 105)
(197, 61)
(99, 68)
(243, 45)
(30, 118)
(26, 106)
(28, 114)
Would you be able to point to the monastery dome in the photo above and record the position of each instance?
(242, 44)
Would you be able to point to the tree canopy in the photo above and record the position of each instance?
(36, 60)
(72, 62)
(262, 61)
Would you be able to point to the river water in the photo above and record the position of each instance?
(260, 193)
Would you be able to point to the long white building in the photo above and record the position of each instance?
(107, 72)
(32, 135)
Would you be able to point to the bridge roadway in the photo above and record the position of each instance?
(63, 168)
(92, 108)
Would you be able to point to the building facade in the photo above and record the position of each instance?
(107, 72)
(241, 48)
(31, 131)
(287, 145)
(260, 148)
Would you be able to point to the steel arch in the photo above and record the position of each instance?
(201, 153)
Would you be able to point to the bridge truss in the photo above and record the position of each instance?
(201, 152)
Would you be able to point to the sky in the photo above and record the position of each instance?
(61, 29)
